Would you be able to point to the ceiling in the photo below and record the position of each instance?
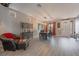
(48, 11)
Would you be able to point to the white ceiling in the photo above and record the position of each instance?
(49, 10)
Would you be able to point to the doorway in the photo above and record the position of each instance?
(52, 28)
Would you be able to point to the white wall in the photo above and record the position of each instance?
(77, 25)
(35, 27)
(10, 20)
(66, 28)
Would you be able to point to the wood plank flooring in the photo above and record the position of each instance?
(58, 46)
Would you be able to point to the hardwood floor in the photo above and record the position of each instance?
(58, 46)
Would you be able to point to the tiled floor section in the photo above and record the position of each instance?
(59, 46)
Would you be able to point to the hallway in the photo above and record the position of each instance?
(59, 46)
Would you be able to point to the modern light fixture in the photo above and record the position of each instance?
(39, 5)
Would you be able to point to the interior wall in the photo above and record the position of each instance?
(66, 28)
(77, 25)
(10, 20)
(35, 27)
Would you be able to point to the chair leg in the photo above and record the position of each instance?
(4, 49)
(26, 45)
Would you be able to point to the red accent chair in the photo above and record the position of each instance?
(11, 41)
